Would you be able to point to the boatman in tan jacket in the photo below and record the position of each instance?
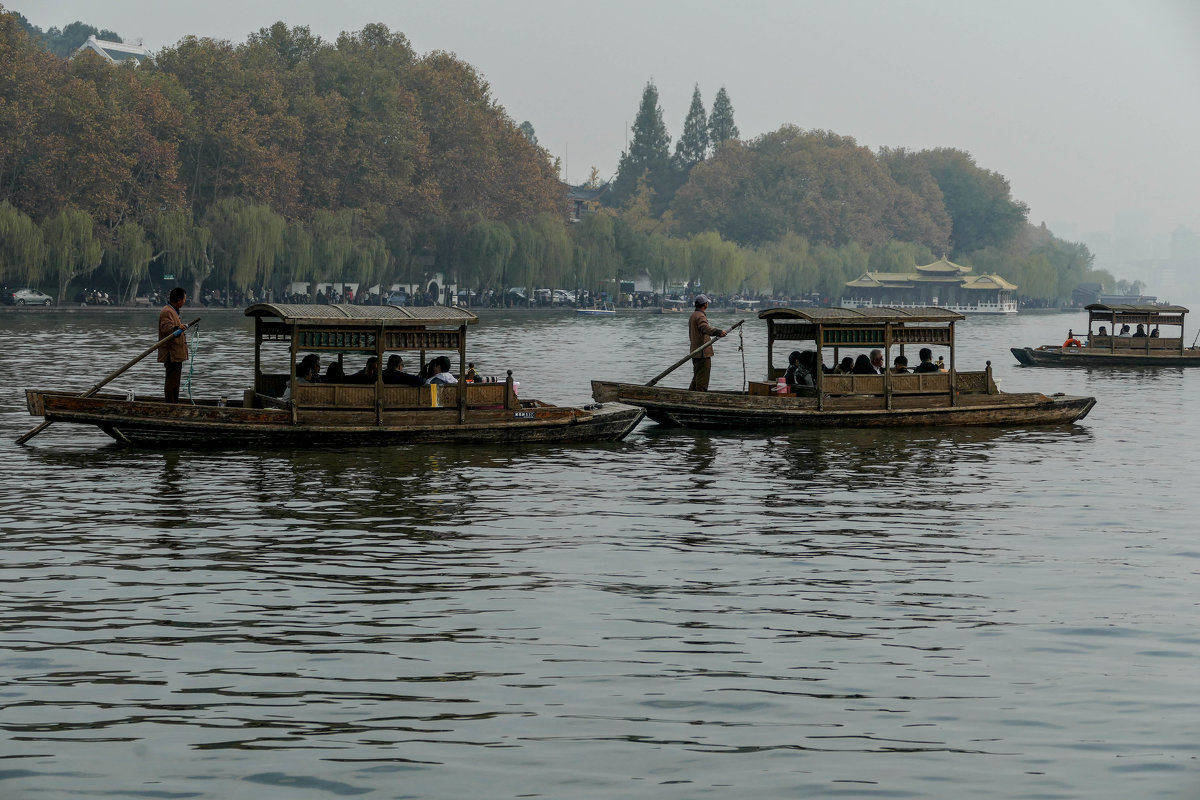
(699, 332)
(174, 352)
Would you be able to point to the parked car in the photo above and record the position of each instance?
(397, 299)
(563, 297)
(28, 297)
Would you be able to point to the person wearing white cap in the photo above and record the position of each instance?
(699, 333)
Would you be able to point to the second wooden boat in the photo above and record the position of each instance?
(892, 398)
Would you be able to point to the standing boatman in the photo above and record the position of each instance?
(699, 332)
(175, 351)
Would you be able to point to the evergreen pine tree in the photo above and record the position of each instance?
(721, 127)
(649, 152)
(692, 147)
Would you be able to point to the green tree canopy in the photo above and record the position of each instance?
(692, 147)
(721, 127)
(649, 154)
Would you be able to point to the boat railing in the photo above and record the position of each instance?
(361, 397)
(1136, 342)
(912, 383)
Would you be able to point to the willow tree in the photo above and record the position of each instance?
(333, 245)
(717, 265)
(556, 249)
(670, 259)
(528, 249)
(595, 257)
(128, 261)
(22, 247)
(368, 263)
(294, 261)
(72, 249)
(793, 270)
(246, 240)
(183, 247)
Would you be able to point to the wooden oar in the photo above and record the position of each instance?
(110, 377)
(690, 355)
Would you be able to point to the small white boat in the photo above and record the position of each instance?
(604, 309)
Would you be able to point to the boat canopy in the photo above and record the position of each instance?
(861, 316)
(1149, 308)
(344, 315)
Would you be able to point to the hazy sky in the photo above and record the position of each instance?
(1091, 108)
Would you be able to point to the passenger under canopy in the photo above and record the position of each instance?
(869, 328)
(337, 330)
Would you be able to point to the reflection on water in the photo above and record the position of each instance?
(851, 613)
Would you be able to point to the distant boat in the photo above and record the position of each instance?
(604, 309)
(1103, 346)
(672, 306)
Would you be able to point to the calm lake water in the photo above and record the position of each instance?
(808, 614)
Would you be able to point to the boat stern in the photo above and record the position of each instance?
(604, 391)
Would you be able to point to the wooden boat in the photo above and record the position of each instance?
(343, 413)
(600, 309)
(953, 397)
(1103, 347)
(746, 306)
(670, 305)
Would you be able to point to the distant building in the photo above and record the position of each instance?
(115, 52)
(943, 284)
(584, 200)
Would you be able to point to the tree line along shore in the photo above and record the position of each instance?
(286, 158)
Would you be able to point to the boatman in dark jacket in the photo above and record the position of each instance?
(174, 352)
(699, 333)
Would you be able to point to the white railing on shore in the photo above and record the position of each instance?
(1005, 307)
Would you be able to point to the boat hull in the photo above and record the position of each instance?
(1087, 357)
(157, 424)
(711, 410)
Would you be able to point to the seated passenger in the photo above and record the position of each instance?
(1102, 332)
(877, 362)
(367, 374)
(926, 364)
(395, 373)
(862, 365)
(334, 373)
(1154, 333)
(798, 372)
(1124, 331)
(307, 371)
(471, 376)
(442, 374)
(900, 364)
(846, 366)
(1141, 331)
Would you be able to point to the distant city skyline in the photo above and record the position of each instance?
(1086, 106)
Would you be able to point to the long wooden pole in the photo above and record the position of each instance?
(690, 355)
(111, 376)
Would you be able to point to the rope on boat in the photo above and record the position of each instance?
(742, 348)
(194, 347)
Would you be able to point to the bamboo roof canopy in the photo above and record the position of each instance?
(344, 315)
(861, 316)
(1141, 309)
